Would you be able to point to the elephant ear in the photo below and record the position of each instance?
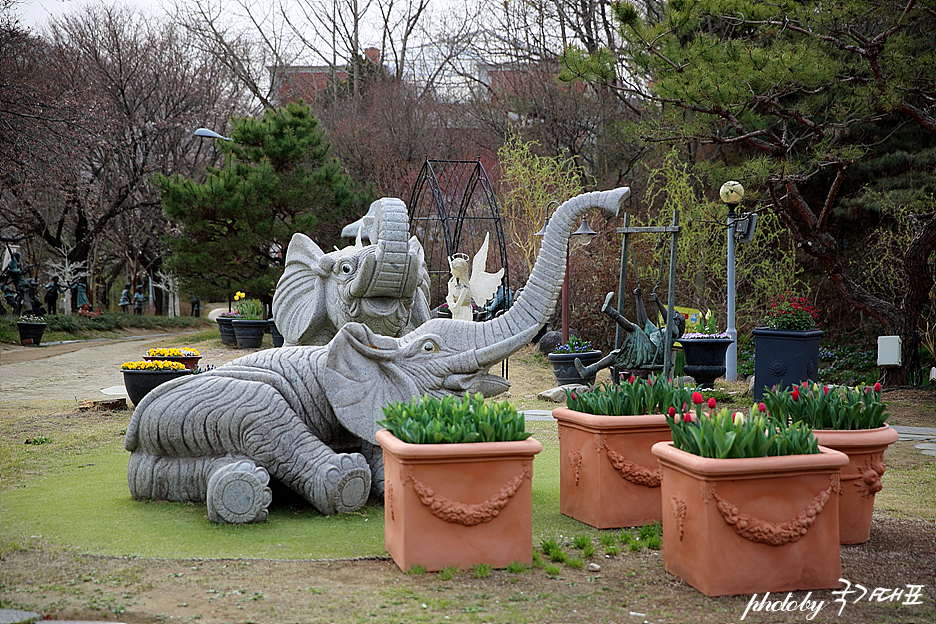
(299, 299)
(361, 376)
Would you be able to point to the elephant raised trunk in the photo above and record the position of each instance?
(505, 334)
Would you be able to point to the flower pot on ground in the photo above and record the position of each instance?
(31, 329)
(608, 476)
(226, 328)
(460, 503)
(563, 361)
(141, 377)
(849, 420)
(275, 335)
(786, 349)
(249, 333)
(250, 324)
(750, 506)
(187, 357)
(705, 357)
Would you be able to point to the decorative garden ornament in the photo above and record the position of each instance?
(308, 415)
(475, 285)
(644, 342)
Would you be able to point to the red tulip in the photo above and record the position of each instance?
(877, 386)
(697, 398)
(687, 417)
(711, 403)
(672, 412)
(761, 407)
(795, 394)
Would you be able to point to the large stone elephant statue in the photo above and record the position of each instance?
(384, 285)
(307, 415)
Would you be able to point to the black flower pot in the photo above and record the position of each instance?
(139, 383)
(564, 367)
(249, 333)
(30, 333)
(277, 337)
(784, 358)
(227, 331)
(705, 359)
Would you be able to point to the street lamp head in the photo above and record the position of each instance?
(584, 234)
(731, 193)
(542, 231)
(205, 133)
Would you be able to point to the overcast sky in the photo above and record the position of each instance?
(36, 12)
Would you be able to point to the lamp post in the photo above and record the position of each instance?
(583, 236)
(731, 194)
(205, 133)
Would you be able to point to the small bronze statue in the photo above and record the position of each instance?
(53, 290)
(644, 343)
(125, 298)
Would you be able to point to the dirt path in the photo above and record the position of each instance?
(81, 370)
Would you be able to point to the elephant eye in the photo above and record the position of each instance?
(429, 347)
(347, 268)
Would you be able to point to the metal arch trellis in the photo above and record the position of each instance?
(451, 208)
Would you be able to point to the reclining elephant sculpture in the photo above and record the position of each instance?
(307, 415)
(384, 285)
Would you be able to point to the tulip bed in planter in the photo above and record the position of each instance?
(751, 525)
(850, 420)
(750, 503)
(608, 476)
(463, 503)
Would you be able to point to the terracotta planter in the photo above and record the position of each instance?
(745, 526)
(188, 361)
(563, 365)
(249, 333)
(139, 383)
(608, 477)
(705, 359)
(458, 504)
(784, 358)
(30, 333)
(227, 331)
(861, 478)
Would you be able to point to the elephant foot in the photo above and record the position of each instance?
(238, 493)
(341, 484)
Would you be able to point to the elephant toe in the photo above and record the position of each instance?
(238, 493)
(342, 484)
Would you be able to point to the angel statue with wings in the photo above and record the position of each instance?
(465, 287)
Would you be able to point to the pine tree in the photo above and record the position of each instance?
(277, 179)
